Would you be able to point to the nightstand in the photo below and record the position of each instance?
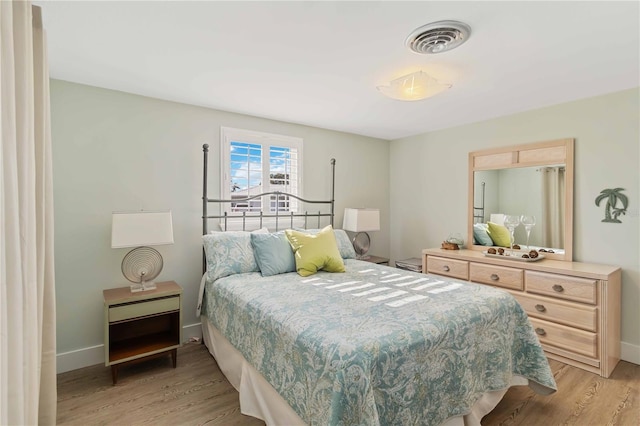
(140, 325)
(377, 259)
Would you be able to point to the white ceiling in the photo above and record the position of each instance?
(318, 63)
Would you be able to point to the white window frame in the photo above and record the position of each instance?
(228, 135)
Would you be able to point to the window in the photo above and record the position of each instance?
(254, 163)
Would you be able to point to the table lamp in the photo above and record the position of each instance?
(141, 229)
(361, 221)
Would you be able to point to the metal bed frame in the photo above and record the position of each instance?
(478, 212)
(225, 216)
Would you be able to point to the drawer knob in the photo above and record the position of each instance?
(495, 277)
(540, 308)
(558, 288)
(540, 331)
(445, 268)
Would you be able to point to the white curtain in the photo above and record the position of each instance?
(553, 194)
(27, 293)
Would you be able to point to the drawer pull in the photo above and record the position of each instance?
(445, 268)
(558, 288)
(495, 277)
(540, 308)
(540, 331)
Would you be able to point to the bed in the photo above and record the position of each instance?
(369, 345)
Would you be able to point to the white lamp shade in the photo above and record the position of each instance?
(135, 229)
(361, 220)
(497, 218)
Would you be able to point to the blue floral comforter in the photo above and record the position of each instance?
(377, 345)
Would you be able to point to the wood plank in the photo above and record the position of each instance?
(152, 393)
(583, 398)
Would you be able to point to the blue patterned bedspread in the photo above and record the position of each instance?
(377, 345)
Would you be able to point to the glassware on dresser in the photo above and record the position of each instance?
(511, 222)
(528, 222)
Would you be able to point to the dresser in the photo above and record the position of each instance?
(574, 307)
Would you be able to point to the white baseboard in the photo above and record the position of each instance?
(93, 355)
(79, 358)
(192, 331)
(629, 352)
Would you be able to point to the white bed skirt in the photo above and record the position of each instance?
(259, 399)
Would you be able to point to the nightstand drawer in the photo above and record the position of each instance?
(141, 309)
(448, 267)
(560, 286)
(496, 275)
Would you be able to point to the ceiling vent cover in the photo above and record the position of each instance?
(438, 37)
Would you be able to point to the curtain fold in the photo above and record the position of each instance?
(27, 289)
(553, 195)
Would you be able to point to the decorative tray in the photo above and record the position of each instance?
(517, 256)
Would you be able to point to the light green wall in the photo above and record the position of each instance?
(429, 181)
(118, 151)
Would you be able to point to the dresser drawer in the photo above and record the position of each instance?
(448, 267)
(561, 286)
(572, 314)
(141, 309)
(567, 338)
(496, 275)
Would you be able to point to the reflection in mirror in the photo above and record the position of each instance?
(534, 179)
(531, 191)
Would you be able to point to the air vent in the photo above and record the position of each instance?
(438, 37)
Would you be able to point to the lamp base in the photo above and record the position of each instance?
(361, 243)
(143, 286)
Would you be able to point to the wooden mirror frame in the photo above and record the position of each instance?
(528, 155)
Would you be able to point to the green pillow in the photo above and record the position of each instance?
(315, 252)
(499, 234)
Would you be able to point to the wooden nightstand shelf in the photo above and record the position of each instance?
(140, 325)
(377, 259)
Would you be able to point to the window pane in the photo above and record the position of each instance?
(283, 167)
(246, 175)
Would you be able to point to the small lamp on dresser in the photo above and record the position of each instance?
(361, 221)
(141, 229)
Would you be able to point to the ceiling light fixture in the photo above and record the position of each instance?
(438, 37)
(413, 87)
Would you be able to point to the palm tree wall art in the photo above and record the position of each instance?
(611, 212)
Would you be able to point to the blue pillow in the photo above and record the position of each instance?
(345, 246)
(273, 253)
(480, 234)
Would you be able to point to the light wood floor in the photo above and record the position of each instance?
(196, 393)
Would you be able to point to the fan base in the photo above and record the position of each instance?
(145, 286)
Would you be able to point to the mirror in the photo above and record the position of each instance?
(532, 180)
